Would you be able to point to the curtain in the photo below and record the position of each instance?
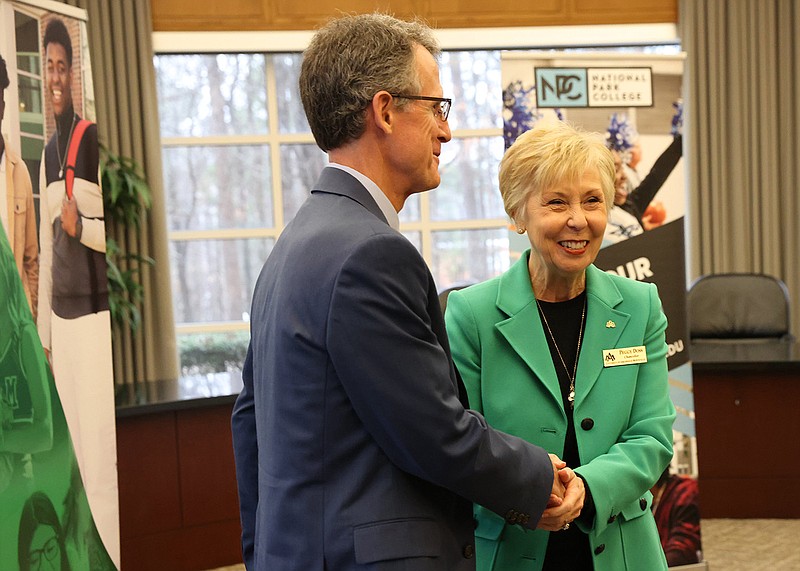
(120, 45)
(742, 130)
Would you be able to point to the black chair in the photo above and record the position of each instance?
(738, 307)
(446, 292)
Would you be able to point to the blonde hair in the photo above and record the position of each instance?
(548, 154)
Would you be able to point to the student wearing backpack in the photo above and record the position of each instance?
(74, 319)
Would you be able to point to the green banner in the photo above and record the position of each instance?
(45, 513)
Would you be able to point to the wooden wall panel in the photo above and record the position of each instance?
(291, 14)
(177, 490)
(147, 467)
(618, 11)
(209, 15)
(735, 409)
(185, 549)
(480, 13)
(243, 15)
(208, 472)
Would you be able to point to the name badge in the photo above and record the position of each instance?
(624, 356)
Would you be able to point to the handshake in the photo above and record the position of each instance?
(566, 498)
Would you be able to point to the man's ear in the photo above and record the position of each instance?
(382, 111)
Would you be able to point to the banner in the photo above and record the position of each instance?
(58, 484)
(634, 100)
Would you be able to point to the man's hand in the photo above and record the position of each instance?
(557, 517)
(69, 216)
(557, 494)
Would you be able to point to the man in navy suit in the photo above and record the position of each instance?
(354, 449)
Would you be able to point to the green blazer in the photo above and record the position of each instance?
(623, 414)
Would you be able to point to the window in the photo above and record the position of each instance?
(239, 159)
(29, 94)
(239, 165)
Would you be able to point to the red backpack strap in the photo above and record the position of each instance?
(72, 153)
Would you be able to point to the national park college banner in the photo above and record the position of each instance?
(58, 480)
(634, 100)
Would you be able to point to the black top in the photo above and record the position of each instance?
(568, 549)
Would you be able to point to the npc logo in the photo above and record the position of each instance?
(594, 87)
(561, 87)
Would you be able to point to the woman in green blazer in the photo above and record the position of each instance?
(570, 358)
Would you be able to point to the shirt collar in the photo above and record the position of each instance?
(377, 194)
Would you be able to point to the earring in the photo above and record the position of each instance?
(520, 230)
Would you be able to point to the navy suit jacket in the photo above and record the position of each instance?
(353, 450)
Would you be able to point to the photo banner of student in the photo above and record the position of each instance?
(58, 479)
(634, 101)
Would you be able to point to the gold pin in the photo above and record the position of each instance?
(610, 324)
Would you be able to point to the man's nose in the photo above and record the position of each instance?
(444, 131)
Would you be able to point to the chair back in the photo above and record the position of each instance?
(446, 292)
(738, 306)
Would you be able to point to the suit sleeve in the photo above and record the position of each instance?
(245, 451)
(633, 464)
(400, 381)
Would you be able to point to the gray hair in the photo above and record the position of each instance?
(348, 61)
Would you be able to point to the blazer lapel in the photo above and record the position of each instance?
(523, 328)
(604, 327)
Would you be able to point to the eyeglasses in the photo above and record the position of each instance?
(441, 111)
(50, 550)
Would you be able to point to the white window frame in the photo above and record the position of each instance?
(544, 37)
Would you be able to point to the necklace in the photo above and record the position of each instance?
(66, 149)
(571, 395)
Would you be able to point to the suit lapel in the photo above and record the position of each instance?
(523, 328)
(336, 181)
(604, 327)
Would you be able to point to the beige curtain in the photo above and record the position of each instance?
(743, 138)
(120, 44)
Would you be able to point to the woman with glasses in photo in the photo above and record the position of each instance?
(41, 541)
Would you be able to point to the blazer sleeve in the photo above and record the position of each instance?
(462, 331)
(621, 476)
(245, 452)
(400, 382)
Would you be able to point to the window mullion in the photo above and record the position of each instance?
(274, 144)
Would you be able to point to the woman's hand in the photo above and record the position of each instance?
(556, 518)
